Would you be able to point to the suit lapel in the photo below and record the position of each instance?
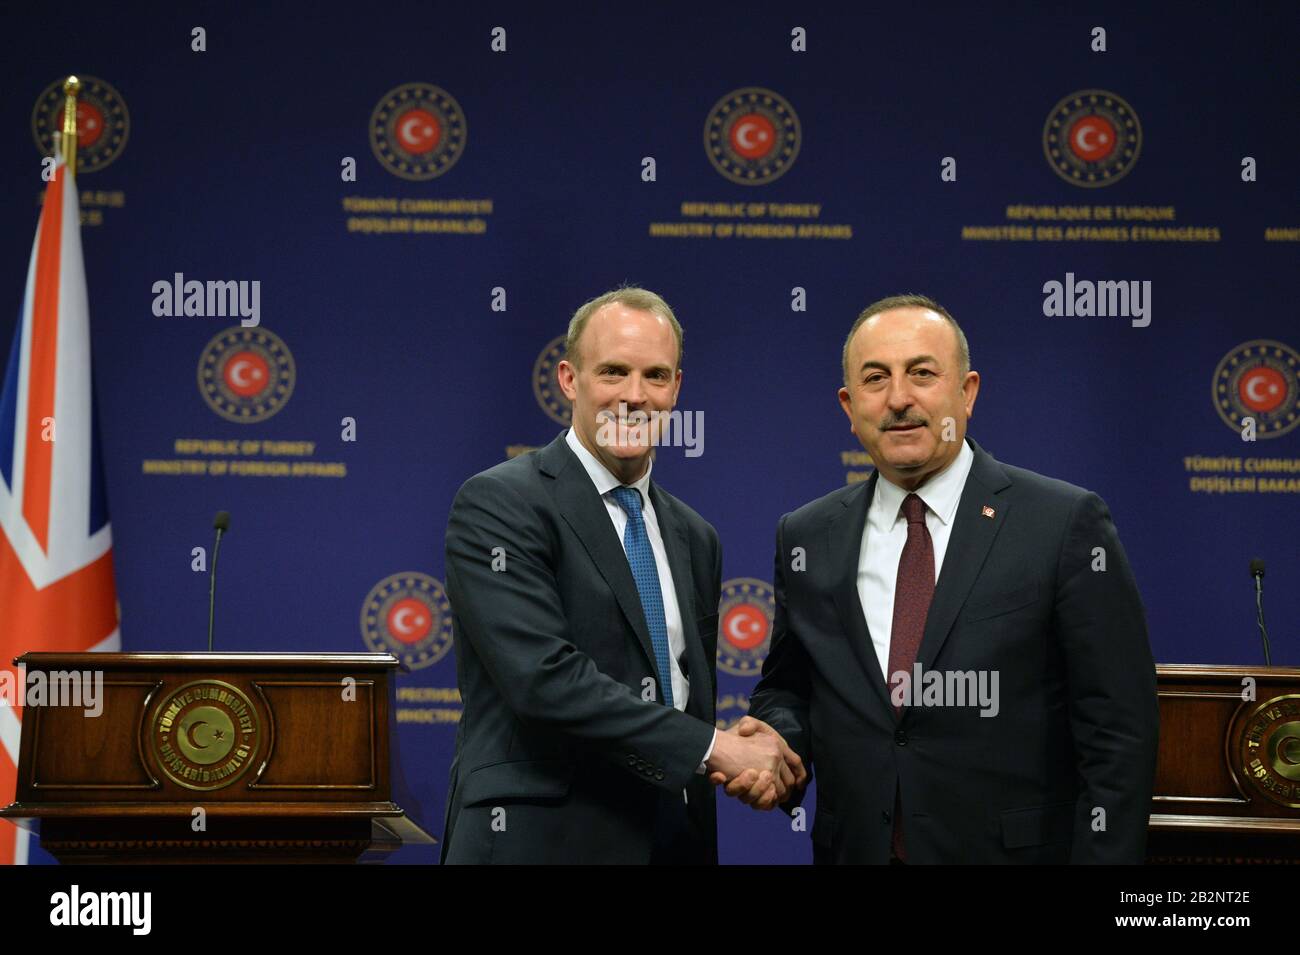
(845, 547)
(979, 517)
(584, 512)
(678, 547)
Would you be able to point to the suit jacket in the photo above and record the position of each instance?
(1062, 773)
(558, 756)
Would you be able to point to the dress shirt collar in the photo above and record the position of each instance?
(941, 492)
(601, 476)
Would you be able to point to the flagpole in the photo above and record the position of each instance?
(71, 86)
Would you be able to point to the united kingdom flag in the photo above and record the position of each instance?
(56, 556)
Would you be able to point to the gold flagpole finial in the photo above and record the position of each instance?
(71, 87)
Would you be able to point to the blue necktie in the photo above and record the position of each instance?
(646, 573)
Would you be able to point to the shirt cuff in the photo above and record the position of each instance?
(709, 752)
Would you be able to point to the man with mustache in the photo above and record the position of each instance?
(1037, 742)
(585, 602)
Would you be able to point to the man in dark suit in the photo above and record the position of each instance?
(1018, 721)
(585, 602)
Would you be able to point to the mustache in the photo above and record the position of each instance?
(902, 421)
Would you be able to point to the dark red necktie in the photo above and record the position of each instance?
(913, 591)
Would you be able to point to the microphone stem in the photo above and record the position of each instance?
(212, 589)
(1263, 632)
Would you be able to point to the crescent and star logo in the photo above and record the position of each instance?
(409, 616)
(745, 615)
(1092, 138)
(1259, 379)
(417, 131)
(1268, 755)
(246, 375)
(752, 136)
(546, 383)
(205, 735)
(103, 122)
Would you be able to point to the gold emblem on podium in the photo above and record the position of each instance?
(205, 735)
(1268, 757)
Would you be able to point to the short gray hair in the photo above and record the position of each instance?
(908, 301)
(643, 300)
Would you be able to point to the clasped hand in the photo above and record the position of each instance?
(755, 765)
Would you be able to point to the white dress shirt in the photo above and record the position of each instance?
(885, 534)
(606, 482)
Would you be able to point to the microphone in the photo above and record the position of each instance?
(1257, 571)
(221, 523)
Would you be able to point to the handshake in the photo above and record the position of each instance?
(756, 765)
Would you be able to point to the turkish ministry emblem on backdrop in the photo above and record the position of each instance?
(409, 616)
(546, 383)
(1260, 380)
(752, 136)
(418, 131)
(745, 615)
(103, 122)
(246, 375)
(1092, 138)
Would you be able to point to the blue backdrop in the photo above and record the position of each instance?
(229, 164)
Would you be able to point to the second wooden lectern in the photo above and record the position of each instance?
(1227, 786)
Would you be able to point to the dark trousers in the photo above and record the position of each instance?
(677, 839)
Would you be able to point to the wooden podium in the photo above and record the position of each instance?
(212, 757)
(1227, 786)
